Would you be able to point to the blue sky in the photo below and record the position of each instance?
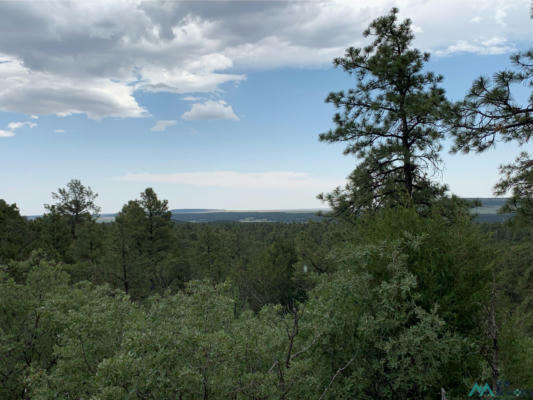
(214, 104)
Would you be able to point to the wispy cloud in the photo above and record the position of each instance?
(17, 125)
(12, 126)
(235, 179)
(59, 130)
(210, 110)
(4, 133)
(162, 125)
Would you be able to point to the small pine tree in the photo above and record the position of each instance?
(75, 202)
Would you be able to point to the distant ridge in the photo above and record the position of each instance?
(487, 212)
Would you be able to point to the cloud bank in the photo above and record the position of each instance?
(91, 58)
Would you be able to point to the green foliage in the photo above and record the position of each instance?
(87, 252)
(272, 281)
(158, 240)
(451, 261)
(126, 253)
(27, 334)
(212, 248)
(517, 178)
(370, 337)
(15, 237)
(139, 255)
(514, 280)
(53, 235)
(93, 320)
(177, 350)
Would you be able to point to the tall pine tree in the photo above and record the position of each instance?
(159, 236)
(393, 120)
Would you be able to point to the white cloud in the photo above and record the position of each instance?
(35, 92)
(210, 110)
(59, 130)
(162, 125)
(34, 117)
(4, 133)
(234, 179)
(483, 46)
(91, 57)
(16, 125)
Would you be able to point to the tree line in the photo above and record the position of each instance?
(397, 294)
